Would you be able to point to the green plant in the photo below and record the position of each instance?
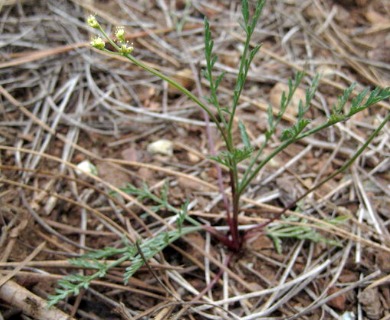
(294, 228)
(138, 254)
(223, 118)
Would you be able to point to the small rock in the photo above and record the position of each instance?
(79, 157)
(163, 146)
(193, 158)
(261, 242)
(348, 276)
(254, 286)
(130, 154)
(274, 163)
(113, 174)
(371, 304)
(348, 316)
(209, 174)
(146, 174)
(311, 12)
(213, 172)
(146, 95)
(383, 261)
(231, 60)
(376, 18)
(385, 292)
(197, 239)
(190, 184)
(337, 302)
(342, 15)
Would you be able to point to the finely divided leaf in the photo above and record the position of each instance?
(375, 96)
(342, 100)
(244, 135)
(241, 154)
(295, 130)
(270, 118)
(219, 79)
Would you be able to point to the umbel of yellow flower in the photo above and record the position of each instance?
(120, 34)
(122, 46)
(126, 49)
(98, 43)
(92, 22)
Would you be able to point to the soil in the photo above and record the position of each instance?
(63, 103)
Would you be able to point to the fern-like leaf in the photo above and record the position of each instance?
(294, 131)
(285, 230)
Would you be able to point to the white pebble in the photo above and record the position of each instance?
(86, 167)
(348, 316)
(163, 146)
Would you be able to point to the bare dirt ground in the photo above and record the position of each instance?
(62, 103)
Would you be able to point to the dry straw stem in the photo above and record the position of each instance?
(44, 192)
(19, 297)
(26, 57)
(316, 223)
(125, 196)
(30, 304)
(67, 264)
(22, 264)
(147, 289)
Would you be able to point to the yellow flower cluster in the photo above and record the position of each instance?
(92, 22)
(98, 43)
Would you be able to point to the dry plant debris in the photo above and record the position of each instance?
(63, 103)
